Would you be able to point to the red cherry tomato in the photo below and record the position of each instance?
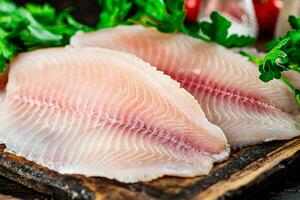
(267, 12)
(192, 9)
(3, 79)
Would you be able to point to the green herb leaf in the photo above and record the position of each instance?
(294, 22)
(7, 6)
(283, 55)
(217, 31)
(44, 14)
(3, 63)
(274, 63)
(66, 26)
(168, 16)
(7, 51)
(114, 12)
(36, 35)
(271, 44)
(297, 96)
(238, 41)
(33, 26)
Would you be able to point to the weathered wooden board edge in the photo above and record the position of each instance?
(12, 189)
(254, 187)
(21, 171)
(240, 160)
(254, 175)
(76, 187)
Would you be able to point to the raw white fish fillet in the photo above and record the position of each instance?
(105, 113)
(225, 83)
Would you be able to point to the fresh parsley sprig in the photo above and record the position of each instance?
(169, 16)
(217, 31)
(113, 12)
(31, 27)
(283, 55)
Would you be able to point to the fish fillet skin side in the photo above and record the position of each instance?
(225, 83)
(100, 112)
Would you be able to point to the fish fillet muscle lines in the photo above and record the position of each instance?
(226, 85)
(105, 113)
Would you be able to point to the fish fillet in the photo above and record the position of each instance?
(226, 84)
(105, 113)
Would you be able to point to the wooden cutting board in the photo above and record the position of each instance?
(247, 169)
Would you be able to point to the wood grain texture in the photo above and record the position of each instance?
(246, 169)
(10, 189)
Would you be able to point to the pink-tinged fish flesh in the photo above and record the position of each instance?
(225, 83)
(105, 113)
